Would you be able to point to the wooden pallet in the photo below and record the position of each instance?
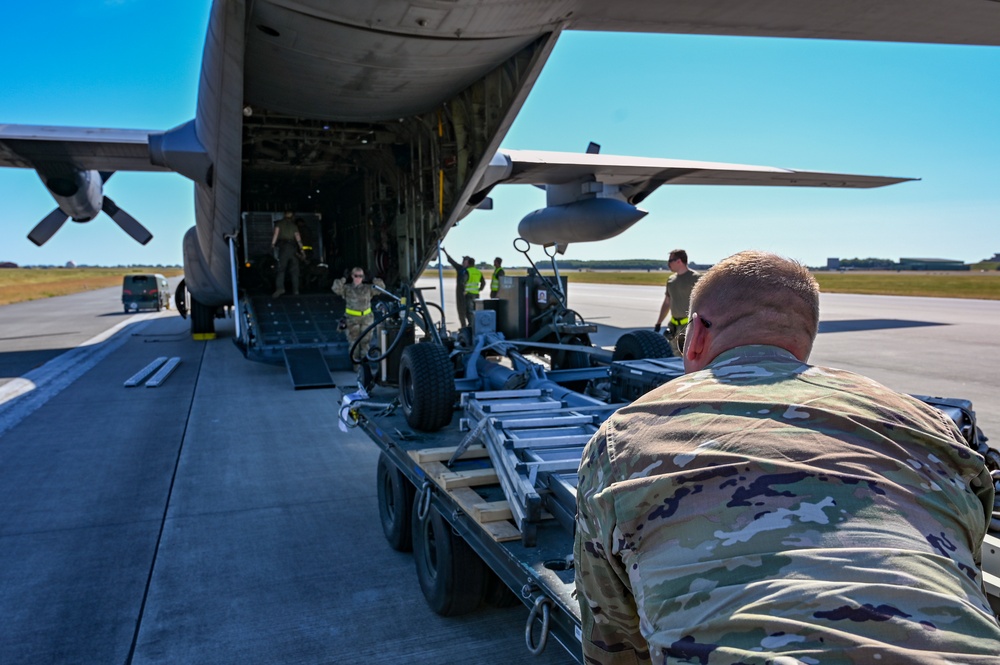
(494, 517)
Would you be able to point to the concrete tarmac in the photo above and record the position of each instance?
(219, 518)
(224, 518)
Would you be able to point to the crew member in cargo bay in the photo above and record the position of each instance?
(288, 242)
(763, 510)
(677, 298)
(357, 295)
(469, 281)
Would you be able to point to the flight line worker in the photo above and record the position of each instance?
(288, 242)
(677, 298)
(358, 310)
(498, 272)
(469, 281)
(760, 509)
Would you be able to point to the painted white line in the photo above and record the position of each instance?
(24, 395)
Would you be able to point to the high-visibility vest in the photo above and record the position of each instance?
(495, 281)
(472, 283)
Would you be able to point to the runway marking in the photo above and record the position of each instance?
(26, 394)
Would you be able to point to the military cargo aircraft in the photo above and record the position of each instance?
(379, 123)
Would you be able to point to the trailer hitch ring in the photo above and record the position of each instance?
(541, 606)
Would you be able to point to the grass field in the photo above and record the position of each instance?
(21, 284)
(982, 285)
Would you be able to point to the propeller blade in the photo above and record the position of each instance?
(127, 222)
(46, 228)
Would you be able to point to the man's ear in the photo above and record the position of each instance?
(695, 346)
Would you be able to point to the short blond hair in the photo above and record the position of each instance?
(769, 297)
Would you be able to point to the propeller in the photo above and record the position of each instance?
(46, 228)
(127, 222)
(80, 195)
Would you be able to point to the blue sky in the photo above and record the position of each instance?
(882, 109)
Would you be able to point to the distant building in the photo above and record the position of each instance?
(931, 264)
(833, 264)
(70, 264)
(7, 264)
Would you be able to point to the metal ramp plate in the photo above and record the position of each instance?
(307, 369)
(307, 319)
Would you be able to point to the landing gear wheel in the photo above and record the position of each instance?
(640, 344)
(426, 386)
(451, 575)
(202, 318)
(395, 505)
(180, 299)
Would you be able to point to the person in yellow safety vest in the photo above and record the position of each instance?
(469, 281)
(358, 298)
(677, 299)
(498, 272)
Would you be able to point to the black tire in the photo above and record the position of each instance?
(395, 505)
(426, 386)
(452, 576)
(575, 360)
(497, 594)
(180, 299)
(202, 318)
(640, 344)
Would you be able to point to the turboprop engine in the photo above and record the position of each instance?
(80, 196)
(579, 221)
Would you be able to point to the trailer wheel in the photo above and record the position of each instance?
(426, 386)
(640, 344)
(451, 575)
(395, 503)
(498, 594)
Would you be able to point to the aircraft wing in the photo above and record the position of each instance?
(85, 148)
(637, 177)
(930, 21)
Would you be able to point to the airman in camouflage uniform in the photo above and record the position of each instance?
(763, 510)
(358, 311)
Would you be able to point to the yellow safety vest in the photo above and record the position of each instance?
(475, 277)
(495, 281)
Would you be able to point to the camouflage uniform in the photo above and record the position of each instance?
(763, 510)
(358, 309)
(679, 289)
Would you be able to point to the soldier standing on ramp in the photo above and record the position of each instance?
(288, 242)
(358, 296)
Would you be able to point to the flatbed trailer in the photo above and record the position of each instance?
(468, 494)
(476, 497)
